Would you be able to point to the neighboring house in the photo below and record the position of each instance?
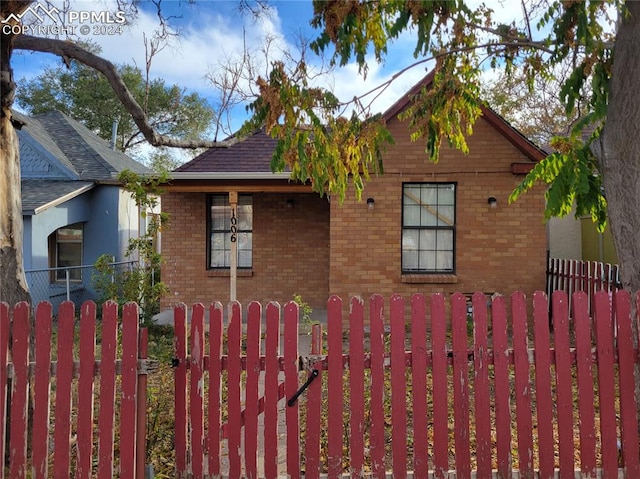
(579, 239)
(420, 227)
(596, 246)
(73, 206)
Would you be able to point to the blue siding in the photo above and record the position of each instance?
(99, 210)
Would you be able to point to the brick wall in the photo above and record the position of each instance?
(316, 249)
(500, 249)
(290, 251)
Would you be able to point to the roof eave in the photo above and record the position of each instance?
(229, 175)
(526, 146)
(405, 99)
(61, 199)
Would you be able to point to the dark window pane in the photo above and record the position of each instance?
(68, 252)
(70, 234)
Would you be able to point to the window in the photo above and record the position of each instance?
(428, 227)
(66, 252)
(220, 231)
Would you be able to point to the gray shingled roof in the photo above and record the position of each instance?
(41, 194)
(77, 147)
(35, 130)
(251, 154)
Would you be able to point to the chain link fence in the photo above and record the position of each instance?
(68, 283)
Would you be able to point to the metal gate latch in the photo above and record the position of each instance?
(314, 374)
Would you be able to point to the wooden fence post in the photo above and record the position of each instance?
(254, 317)
(543, 384)
(586, 397)
(234, 340)
(460, 384)
(4, 353)
(64, 378)
(196, 389)
(271, 371)
(128, 405)
(356, 368)
(502, 387)
(19, 395)
(522, 384)
(440, 399)
(482, 385)
(85, 389)
(334, 387)
(291, 369)
(215, 388)
(180, 387)
(419, 360)
(606, 383)
(314, 409)
(106, 418)
(42, 392)
(564, 394)
(628, 401)
(141, 414)
(398, 388)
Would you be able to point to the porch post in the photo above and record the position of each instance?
(233, 260)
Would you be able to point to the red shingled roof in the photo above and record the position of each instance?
(251, 154)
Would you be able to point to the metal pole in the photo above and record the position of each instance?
(233, 260)
(68, 281)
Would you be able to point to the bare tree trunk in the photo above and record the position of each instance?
(13, 285)
(620, 155)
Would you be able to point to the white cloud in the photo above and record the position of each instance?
(211, 31)
(208, 38)
(187, 57)
(346, 84)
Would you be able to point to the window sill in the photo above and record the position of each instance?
(225, 273)
(429, 278)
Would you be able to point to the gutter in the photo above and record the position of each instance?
(61, 199)
(229, 175)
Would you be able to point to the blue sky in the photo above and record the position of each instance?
(210, 31)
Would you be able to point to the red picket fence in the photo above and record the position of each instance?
(400, 392)
(42, 443)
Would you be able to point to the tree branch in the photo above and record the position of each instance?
(68, 50)
(525, 14)
(380, 88)
(507, 39)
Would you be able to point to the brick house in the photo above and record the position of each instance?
(420, 227)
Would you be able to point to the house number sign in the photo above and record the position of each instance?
(234, 226)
